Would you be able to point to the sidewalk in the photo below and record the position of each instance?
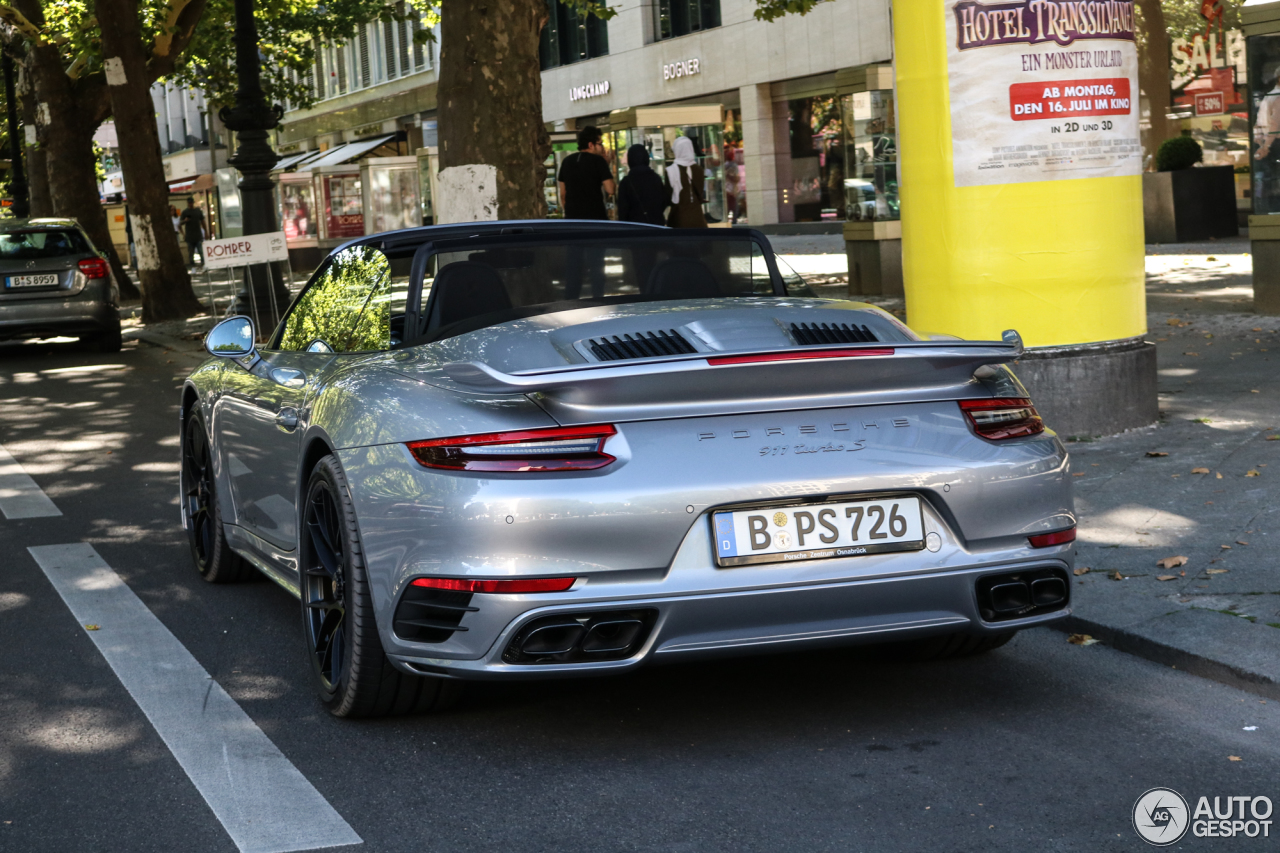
(1138, 497)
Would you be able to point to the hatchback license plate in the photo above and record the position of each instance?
(50, 280)
(818, 531)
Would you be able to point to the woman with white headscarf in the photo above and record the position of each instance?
(685, 183)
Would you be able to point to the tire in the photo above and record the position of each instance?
(958, 645)
(351, 672)
(108, 340)
(201, 515)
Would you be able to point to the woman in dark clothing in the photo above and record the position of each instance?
(641, 197)
(685, 187)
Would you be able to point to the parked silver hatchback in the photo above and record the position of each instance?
(55, 283)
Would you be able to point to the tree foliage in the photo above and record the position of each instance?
(348, 308)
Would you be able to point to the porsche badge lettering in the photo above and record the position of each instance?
(844, 445)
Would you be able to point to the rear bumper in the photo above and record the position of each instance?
(754, 621)
(91, 310)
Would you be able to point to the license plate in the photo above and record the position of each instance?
(50, 280)
(818, 531)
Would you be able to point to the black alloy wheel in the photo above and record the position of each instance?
(352, 674)
(324, 587)
(211, 553)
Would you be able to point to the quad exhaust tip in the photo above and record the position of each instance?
(581, 637)
(1017, 595)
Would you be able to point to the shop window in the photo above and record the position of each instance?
(1264, 113)
(870, 156)
(571, 36)
(817, 161)
(675, 18)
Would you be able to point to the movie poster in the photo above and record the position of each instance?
(1042, 90)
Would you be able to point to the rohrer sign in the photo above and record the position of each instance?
(242, 251)
(1042, 90)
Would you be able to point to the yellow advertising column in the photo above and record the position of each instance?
(1021, 189)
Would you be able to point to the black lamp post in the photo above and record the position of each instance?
(264, 296)
(17, 177)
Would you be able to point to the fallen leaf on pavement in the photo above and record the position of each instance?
(1255, 330)
(1191, 353)
(1080, 474)
(1273, 438)
(1115, 575)
(1081, 640)
(1182, 574)
(1234, 758)
(91, 627)
(1199, 470)
(1166, 577)
(1241, 542)
(1156, 453)
(1252, 473)
(1219, 475)
(1225, 547)
(1216, 571)
(1174, 321)
(1080, 570)
(1171, 562)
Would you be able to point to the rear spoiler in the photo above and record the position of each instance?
(705, 384)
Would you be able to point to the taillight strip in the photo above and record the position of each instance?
(797, 355)
(507, 586)
(520, 451)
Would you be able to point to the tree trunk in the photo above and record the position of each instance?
(37, 176)
(1153, 74)
(166, 285)
(490, 98)
(65, 126)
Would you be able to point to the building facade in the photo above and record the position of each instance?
(793, 120)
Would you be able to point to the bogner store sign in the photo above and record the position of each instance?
(1042, 90)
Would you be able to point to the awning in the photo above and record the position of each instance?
(200, 183)
(295, 159)
(343, 153)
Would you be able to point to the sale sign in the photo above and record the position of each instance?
(1042, 90)
(1210, 103)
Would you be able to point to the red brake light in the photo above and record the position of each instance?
(94, 268)
(797, 354)
(1058, 537)
(532, 450)
(497, 586)
(1003, 417)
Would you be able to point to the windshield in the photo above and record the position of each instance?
(34, 245)
(473, 285)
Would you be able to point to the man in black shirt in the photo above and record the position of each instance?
(583, 175)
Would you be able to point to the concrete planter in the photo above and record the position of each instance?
(1189, 204)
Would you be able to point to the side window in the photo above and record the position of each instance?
(347, 309)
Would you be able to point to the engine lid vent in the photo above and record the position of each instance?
(831, 333)
(639, 345)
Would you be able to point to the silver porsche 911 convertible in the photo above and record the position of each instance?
(531, 449)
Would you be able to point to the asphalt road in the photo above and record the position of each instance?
(1041, 745)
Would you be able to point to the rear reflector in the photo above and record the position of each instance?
(1058, 537)
(797, 355)
(1002, 418)
(93, 267)
(525, 451)
(510, 587)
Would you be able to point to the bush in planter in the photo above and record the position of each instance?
(1180, 152)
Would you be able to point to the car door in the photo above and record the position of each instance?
(344, 313)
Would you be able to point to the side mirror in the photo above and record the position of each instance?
(232, 338)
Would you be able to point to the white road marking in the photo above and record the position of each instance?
(20, 497)
(263, 802)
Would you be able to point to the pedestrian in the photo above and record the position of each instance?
(641, 196)
(685, 183)
(194, 230)
(585, 177)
